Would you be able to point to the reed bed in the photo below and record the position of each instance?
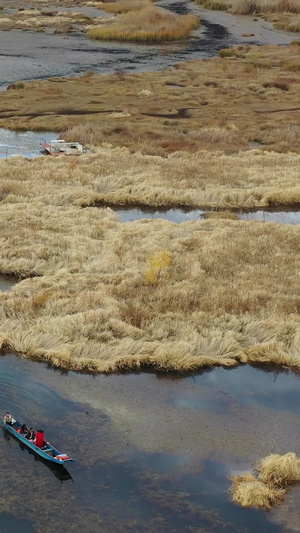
(274, 475)
(109, 296)
(147, 25)
(199, 105)
(248, 491)
(124, 6)
(118, 177)
(279, 470)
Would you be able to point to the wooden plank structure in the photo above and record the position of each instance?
(61, 147)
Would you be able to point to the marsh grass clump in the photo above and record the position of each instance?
(227, 52)
(281, 470)
(248, 491)
(162, 112)
(157, 264)
(274, 474)
(147, 25)
(125, 6)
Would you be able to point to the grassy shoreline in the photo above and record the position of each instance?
(198, 105)
(112, 296)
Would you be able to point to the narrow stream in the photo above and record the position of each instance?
(154, 452)
(179, 215)
(7, 282)
(27, 143)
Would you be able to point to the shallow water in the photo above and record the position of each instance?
(26, 143)
(7, 282)
(29, 55)
(179, 215)
(154, 453)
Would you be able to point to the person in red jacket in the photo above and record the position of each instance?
(40, 439)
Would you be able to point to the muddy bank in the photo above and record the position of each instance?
(139, 471)
(27, 56)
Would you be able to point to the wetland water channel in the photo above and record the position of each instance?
(179, 215)
(31, 55)
(154, 452)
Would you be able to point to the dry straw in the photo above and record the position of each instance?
(112, 296)
(248, 491)
(279, 470)
(147, 25)
(275, 474)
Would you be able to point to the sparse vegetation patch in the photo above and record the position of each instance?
(149, 24)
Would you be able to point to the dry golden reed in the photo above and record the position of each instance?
(198, 105)
(111, 296)
(248, 491)
(147, 25)
(275, 474)
(280, 470)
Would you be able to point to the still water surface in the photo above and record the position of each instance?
(27, 143)
(173, 478)
(179, 215)
(7, 282)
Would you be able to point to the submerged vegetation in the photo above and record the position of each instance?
(274, 475)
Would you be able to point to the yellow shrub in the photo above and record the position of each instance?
(157, 262)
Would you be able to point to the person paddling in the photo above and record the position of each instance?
(40, 439)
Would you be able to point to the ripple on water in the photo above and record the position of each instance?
(17, 392)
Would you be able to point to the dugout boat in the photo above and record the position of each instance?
(47, 452)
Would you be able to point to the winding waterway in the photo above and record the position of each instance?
(31, 55)
(154, 453)
(180, 215)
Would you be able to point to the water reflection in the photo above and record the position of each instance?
(245, 385)
(199, 426)
(179, 215)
